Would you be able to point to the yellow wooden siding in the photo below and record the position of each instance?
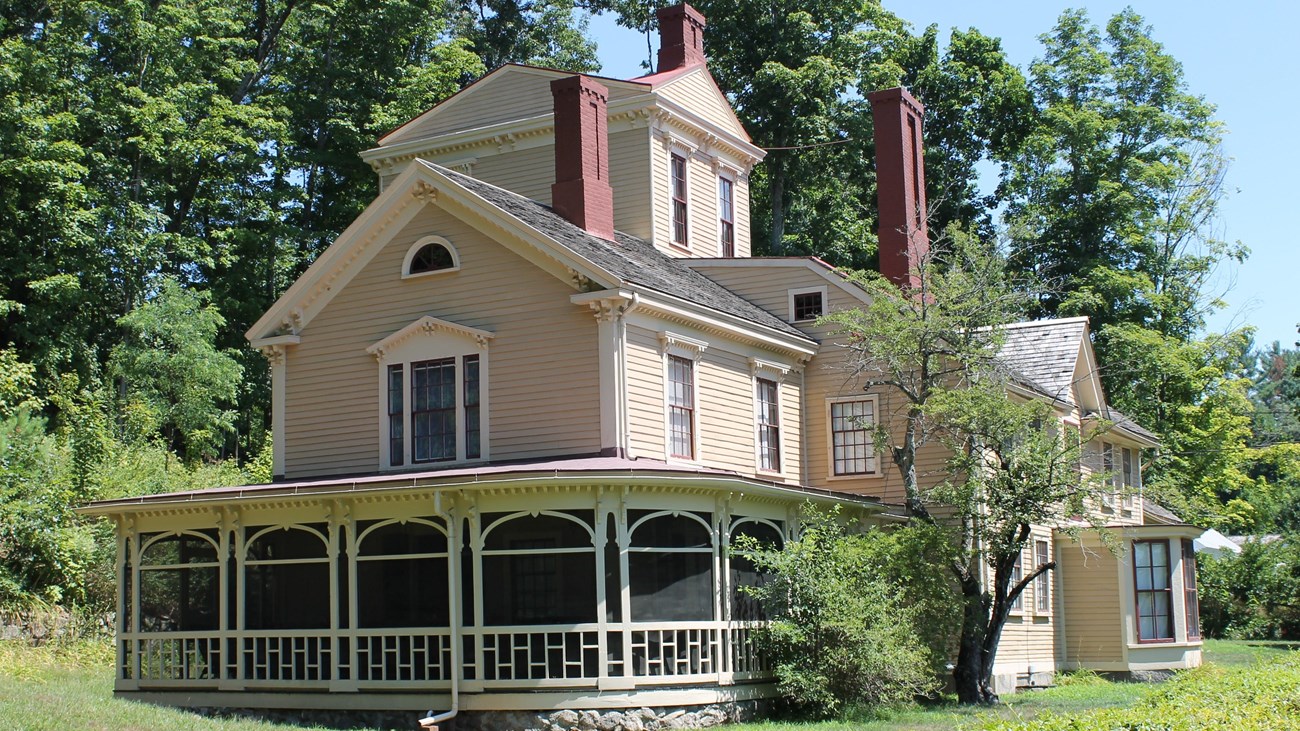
(1092, 621)
(743, 232)
(660, 196)
(1030, 635)
(542, 341)
(792, 431)
(629, 174)
(726, 411)
(512, 94)
(699, 93)
(530, 173)
(645, 393)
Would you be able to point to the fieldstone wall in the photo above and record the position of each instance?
(640, 719)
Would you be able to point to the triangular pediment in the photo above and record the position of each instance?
(420, 185)
(695, 90)
(428, 326)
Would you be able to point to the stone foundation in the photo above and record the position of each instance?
(633, 719)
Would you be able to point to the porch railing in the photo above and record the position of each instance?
(568, 656)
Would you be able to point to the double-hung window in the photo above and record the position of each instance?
(441, 408)
(853, 448)
(1151, 576)
(768, 424)
(677, 170)
(1042, 582)
(681, 407)
(432, 374)
(727, 216)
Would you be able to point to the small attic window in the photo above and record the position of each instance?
(430, 255)
(807, 304)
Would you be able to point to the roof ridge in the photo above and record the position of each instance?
(1045, 322)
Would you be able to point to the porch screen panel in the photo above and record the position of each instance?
(180, 589)
(670, 563)
(749, 534)
(286, 579)
(539, 570)
(402, 575)
(1151, 571)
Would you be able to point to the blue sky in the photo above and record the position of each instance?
(1239, 56)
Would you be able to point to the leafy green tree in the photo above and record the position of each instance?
(935, 349)
(1276, 394)
(171, 374)
(1117, 186)
(840, 632)
(548, 33)
(1252, 595)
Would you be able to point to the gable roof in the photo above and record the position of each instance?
(526, 226)
(695, 89)
(629, 258)
(527, 86)
(1046, 352)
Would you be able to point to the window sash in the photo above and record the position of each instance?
(808, 306)
(727, 216)
(681, 407)
(1191, 600)
(769, 426)
(1017, 572)
(1042, 582)
(433, 410)
(471, 396)
(1152, 582)
(853, 450)
(679, 199)
(396, 415)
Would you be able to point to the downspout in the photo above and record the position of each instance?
(431, 721)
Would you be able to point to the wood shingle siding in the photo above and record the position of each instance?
(332, 424)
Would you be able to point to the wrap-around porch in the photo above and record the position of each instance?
(526, 587)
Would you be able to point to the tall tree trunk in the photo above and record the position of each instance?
(973, 672)
(776, 199)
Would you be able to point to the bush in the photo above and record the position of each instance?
(1252, 595)
(840, 632)
(1260, 697)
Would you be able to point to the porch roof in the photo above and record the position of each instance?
(560, 469)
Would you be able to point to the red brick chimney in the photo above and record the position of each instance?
(581, 192)
(681, 37)
(900, 184)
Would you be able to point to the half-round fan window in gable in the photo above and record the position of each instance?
(429, 255)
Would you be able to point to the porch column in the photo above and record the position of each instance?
(226, 523)
(123, 534)
(340, 522)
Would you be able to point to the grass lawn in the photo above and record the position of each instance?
(70, 687)
(1076, 694)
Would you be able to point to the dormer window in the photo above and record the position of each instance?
(807, 304)
(430, 255)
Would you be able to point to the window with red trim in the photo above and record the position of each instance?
(681, 407)
(727, 216)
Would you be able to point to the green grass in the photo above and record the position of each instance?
(1074, 695)
(69, 686)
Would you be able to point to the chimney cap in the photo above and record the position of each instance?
(895, 94)
(672, 11)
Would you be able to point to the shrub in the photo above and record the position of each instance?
(840, 634)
